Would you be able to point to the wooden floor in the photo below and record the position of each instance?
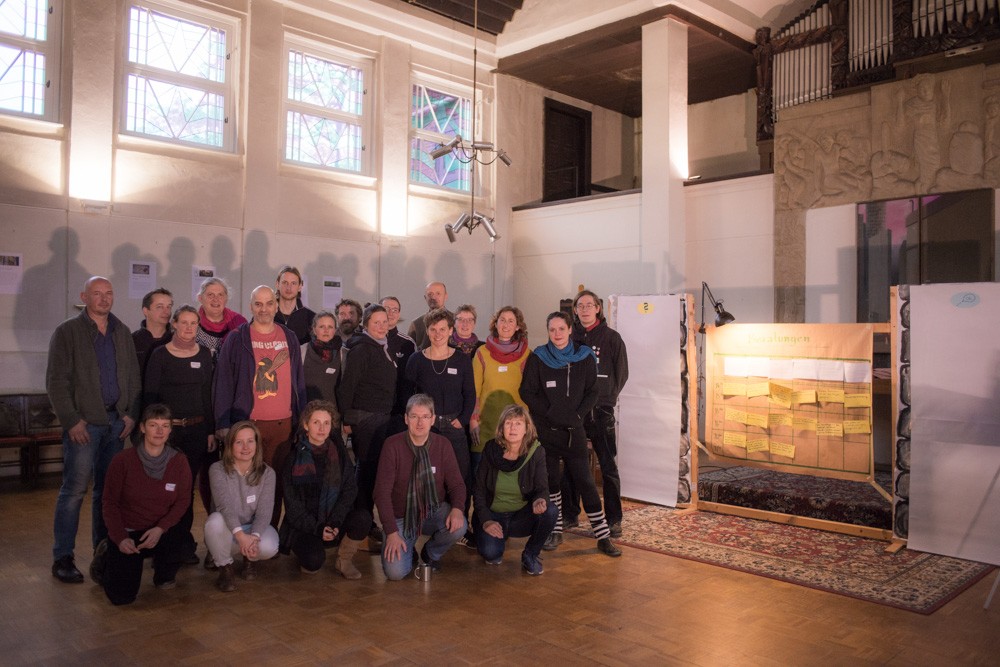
(643, 608)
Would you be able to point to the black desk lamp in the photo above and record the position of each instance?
(722, 316)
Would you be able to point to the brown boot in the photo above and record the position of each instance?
(249, 572)
(226, 582)
(348, 548)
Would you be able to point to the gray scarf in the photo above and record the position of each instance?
(155, 466)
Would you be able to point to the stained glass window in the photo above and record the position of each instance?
(325, 112)
(178, 81)
(28, 58)
(436, 116)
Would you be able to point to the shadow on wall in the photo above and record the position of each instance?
(49, 292)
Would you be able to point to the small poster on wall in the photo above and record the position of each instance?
(141, 278)
(11, 273)
(198, 275)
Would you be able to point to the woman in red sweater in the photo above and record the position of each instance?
(146, 492)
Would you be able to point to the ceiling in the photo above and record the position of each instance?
(603, 66)
(493, 14)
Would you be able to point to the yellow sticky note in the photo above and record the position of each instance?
(830, 395)
(735, 439)
(757, 445)
(779, 419)
(804, 396)
(783, 449)
(780, 394)
(857, 426)
(858, 401)
(756, 420)
(832, 429)
(758, 389)
(734, 389)
(734, 415)
(804, 423)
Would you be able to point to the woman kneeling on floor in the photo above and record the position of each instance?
(512, 490)
(146, 492)
(320, 489)
(243, 500)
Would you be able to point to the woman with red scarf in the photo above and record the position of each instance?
(497, 368)
(215, 320)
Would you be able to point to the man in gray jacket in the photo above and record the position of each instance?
(94, 387)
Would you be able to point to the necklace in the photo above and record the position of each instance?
(434, 367)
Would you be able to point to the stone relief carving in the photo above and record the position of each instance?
(824, 170)
(925, 109)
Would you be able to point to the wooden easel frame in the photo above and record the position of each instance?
(779, 517)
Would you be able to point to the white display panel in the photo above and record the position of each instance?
(955, 372)
(649, 407)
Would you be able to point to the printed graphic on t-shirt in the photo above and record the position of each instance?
(265, 381)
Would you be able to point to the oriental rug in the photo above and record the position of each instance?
(840, 500)
(842, 564)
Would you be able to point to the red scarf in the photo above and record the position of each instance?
(506, 353)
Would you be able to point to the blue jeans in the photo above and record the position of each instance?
(80, 464)
(441, 540)
(522, 523)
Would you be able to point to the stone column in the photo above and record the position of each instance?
(664, 154)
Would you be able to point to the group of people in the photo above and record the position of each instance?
(297, 425)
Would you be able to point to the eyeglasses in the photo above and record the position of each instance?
(586, 306)
(392, 310)
(466, 320)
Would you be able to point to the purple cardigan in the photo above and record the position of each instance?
(232, 388)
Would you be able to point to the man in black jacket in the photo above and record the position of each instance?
(591, 328)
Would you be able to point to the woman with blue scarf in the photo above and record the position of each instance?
(320, 490)
(560, 387)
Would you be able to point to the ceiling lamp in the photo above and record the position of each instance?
(472, 153)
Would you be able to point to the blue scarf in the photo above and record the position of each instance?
(553, 357)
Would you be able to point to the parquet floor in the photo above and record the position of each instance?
(643, 608)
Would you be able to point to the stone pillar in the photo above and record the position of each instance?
(391, 137)
(664, 154)
(91, 134)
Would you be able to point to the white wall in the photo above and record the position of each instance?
(245, 213)
(557, 248)
(730, 245)
(722, 136)
(832, 264)
(596, 243)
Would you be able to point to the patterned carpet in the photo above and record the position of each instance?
(842, 564)
(856, 503)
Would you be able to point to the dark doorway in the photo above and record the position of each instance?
(567, 152)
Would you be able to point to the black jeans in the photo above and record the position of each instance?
(311, 549)
(193, 442)
(599, 425)
(123, 572)
(522, 523)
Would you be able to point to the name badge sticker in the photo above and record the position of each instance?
(550, 383)
(452, 371)
(171, 486)
(251, 499)
(331, 371)
(502, 369)
(195, 364)
(433, 469)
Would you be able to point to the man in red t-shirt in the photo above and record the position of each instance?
(258, 376)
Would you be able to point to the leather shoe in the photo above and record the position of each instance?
(616, 529)
(606, 546)
(553, 541)
(65, 571)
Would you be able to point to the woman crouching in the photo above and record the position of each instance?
(320, 489)
(243, 500)
(511, 491)
(146, 492)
